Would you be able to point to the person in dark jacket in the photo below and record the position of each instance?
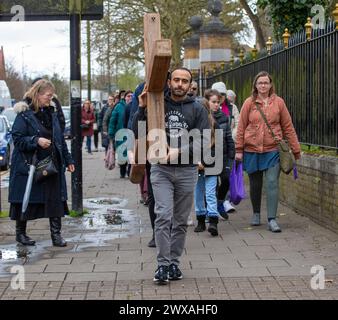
(96, 126)
(104, 137)
(151, 200)
(106, 120)
(205, 190)
(173, 182)
(134, 105)
(214, 98)
(37, 134)
(116, 123)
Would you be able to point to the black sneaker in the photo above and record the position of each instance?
(162, 275)
(174, 272)
(152, 243)
(224, 215)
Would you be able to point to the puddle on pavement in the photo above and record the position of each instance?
(106, 212)
(7, 255)
(105, 201)
(107, 220)
(13, 254)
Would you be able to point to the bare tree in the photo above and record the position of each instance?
(256, 21)
(14, 82)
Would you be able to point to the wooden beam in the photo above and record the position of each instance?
(152, 32)
(159, 65)
(157, 59)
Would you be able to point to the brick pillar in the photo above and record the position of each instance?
(215, 40)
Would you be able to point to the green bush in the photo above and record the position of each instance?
(318, 150)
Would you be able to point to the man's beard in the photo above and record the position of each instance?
(179, 92)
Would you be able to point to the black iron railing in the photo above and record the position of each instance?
(305, 76)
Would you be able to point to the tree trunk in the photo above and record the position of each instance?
(256, 23)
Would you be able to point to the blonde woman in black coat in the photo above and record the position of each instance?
(36, 133)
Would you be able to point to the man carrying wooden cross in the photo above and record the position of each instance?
(174, 182)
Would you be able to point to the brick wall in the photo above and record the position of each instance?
(315, 193)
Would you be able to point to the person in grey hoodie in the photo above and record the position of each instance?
(174, 182)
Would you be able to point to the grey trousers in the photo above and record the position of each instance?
(173, 189)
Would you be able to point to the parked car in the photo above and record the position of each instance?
(10, 114)
(6, 143)
(5, 96)
(67, 133)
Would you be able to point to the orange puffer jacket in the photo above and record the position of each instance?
(254, 136)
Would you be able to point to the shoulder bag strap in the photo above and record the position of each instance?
(266, 122)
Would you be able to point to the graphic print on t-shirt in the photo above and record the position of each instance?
(175, 123)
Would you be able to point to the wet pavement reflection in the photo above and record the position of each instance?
(107, 219)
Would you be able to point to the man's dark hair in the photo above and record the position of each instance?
(122, 92)
(181, 68)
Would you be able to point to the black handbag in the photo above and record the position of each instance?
(44, 169)
(85, 126)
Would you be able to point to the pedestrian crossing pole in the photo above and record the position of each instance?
(75, 100)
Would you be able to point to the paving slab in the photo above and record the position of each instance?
(113, 261)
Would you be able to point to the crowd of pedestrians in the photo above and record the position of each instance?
(171, 188)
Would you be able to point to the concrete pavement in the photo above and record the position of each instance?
(108, 261)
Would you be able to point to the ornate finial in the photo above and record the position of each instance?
(254, 52)
(232, 60)
(308, 29)
(196, 23)
(269, 44)
(286, 36)
(335, 14)
(215, 7)
(241, 56)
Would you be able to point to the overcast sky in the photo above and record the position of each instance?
(39, 47)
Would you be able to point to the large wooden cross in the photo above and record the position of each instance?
(157, 60)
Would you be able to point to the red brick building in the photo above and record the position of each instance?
(2, 65)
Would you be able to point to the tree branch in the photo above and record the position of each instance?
(256, 23)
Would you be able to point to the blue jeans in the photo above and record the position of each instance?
(89, 144)
(206, 187)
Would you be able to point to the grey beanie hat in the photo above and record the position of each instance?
(220, 87)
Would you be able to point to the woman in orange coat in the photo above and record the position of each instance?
(258, 150)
